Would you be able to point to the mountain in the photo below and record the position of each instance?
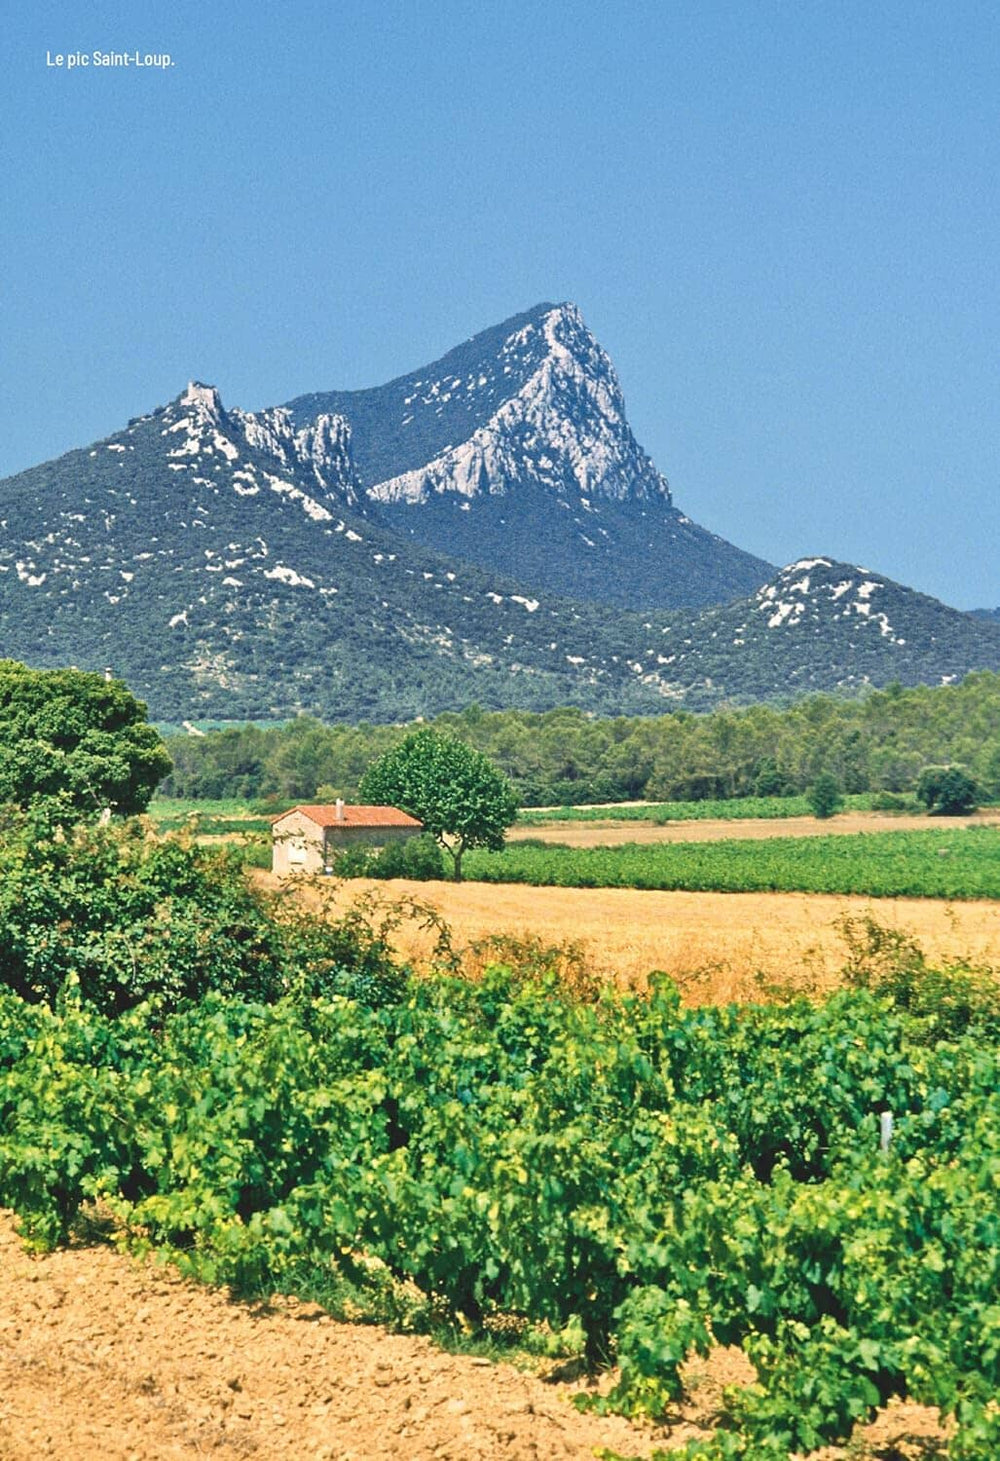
(251, 565)
(224, 564)
(823, 625)
(514, 452)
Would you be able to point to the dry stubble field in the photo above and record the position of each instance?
(714, 944)
(611, 833)
(719, 946)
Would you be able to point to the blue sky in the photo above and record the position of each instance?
(780, 219)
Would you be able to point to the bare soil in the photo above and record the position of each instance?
(105, 1358)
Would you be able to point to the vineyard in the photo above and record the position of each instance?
(953, 863)
(216, 817)
(512, 1153)
(644, 1181)
(764, 808)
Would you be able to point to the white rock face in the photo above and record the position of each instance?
(323, 446)
(203, 434)
(563, 429)
(797, 595)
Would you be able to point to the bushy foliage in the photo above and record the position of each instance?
(78, 739)
(824, 796)
(124, 916)
(772, 781)
(947, 790)
(416, 858)
(892, 801)
(946, 1001)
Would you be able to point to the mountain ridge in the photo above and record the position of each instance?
(233, 564)
(188, 555)
(822, 624)
(513, 451)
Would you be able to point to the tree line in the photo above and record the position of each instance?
(879, 742)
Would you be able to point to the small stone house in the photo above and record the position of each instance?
(307, 839)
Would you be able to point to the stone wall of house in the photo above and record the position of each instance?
(299, 846)
(296, 846)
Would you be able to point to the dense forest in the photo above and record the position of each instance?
(880, 741)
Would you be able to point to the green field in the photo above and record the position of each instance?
(171, 812)
(955, 862)
(762, 808)
(961, 862)
(208, 818)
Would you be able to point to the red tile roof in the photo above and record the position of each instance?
(326, 816)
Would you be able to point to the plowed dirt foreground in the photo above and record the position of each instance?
(104, 1358)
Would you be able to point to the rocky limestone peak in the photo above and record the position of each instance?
(535, 402)
(322, 447)
(204, 401)
(514, 452)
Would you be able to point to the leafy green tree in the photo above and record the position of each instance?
(76, 738)
(948, 791)
(456, 792)
(770, 781)
(824, 796)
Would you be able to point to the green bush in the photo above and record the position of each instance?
(127, 916)
(947, 791)
(947, 1002)
(353, 862)
(417, 858)
(891, 801)
(824, 796)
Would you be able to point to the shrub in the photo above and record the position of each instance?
(354, 862)
(891, 801)
(824, 796)
(419, 858)
(127, 916)
(947, 1002)
(947, 791)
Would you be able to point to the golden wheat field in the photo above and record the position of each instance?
(719, 946)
